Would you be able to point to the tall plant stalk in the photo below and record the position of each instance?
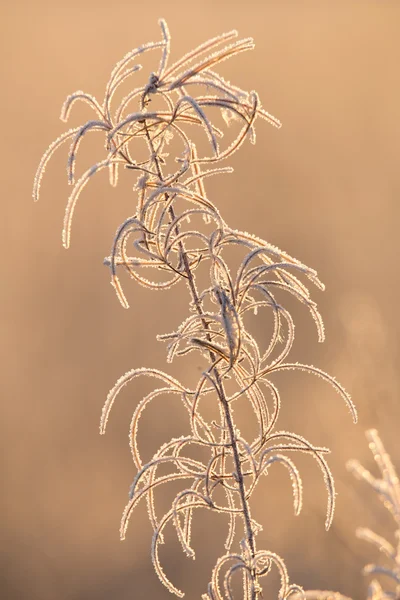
(175, 232)
(219, 387)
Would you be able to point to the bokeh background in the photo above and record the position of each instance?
(325, 188)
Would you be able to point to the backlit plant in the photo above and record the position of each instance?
(177, 233)
(387, 488)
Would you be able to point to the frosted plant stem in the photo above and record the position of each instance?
(239, 472)
(160, 240)
(220, 387)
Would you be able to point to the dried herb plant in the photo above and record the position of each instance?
(388, 490)
(176, 230)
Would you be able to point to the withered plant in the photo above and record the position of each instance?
(387, 488)
(175, 231)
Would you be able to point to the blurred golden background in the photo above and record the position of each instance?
(325, 188)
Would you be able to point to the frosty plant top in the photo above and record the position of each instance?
(172, 84)
(177, 231)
